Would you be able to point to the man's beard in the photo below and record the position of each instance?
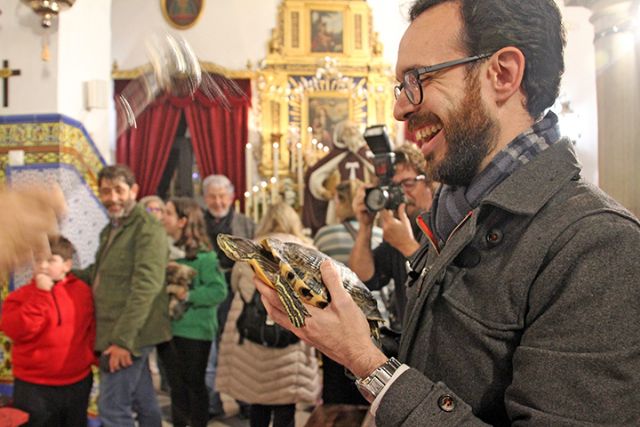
(126, 208)
(470, 134)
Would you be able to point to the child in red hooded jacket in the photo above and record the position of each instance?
(51, 323)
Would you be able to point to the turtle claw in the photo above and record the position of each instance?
(294, 307)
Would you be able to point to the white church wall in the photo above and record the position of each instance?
(233, 33)
(579, 88)
(228, 33)
(21, 37)
(58, 85)
(84, 30)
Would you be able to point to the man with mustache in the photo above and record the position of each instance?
(376, 267)
(131, 305)
(523, 306)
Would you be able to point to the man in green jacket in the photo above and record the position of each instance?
(132, 316)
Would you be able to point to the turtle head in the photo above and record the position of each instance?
(237, 248)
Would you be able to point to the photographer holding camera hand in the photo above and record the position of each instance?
(377, 267)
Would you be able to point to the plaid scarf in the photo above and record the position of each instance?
(453, 203)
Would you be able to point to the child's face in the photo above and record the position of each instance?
(172, 224)
(54, 267)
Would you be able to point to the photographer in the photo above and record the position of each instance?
(377, 267)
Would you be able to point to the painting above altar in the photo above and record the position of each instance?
(327, 31)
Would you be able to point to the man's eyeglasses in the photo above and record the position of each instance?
(409, 183)
(412, 79)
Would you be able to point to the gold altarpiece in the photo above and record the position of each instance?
(322, 56)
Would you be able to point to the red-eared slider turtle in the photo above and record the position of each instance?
(293, 270)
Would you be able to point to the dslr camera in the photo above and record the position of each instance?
(386, 195)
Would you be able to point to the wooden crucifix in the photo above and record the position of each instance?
(5, 73)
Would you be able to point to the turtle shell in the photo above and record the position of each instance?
(294, 271)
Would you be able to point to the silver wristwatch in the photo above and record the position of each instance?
(371, 386)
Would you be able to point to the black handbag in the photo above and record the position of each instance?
(254, 325)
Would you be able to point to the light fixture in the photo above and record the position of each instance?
(48, 9)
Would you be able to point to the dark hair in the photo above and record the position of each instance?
(194, 235)
(533, 26)
(117, 172)
(61, 246)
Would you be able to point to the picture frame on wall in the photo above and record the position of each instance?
(327, 31)
(182, 14)
(324, 112)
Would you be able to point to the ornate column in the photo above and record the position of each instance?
(618, 87)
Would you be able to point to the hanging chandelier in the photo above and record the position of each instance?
(48, 9)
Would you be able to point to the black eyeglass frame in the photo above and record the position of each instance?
(419, 72)
(405, 182)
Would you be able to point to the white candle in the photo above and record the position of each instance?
(247, 203)
(300, 174)
(249, 166)
(256, 203)
(274, 190)
(263, 198)
(276, 159)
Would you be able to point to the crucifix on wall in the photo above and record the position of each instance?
(5, 73)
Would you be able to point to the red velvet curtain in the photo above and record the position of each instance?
(219, 134)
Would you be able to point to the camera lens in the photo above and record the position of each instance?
(376, 199)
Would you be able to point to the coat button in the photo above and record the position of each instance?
(494, 237)
(446, 403)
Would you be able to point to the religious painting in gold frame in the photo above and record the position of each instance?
(346, 74)
(327, 31)
(324, 113)
(182, 14)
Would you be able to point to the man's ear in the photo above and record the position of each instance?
(134, 189)
(506, 71)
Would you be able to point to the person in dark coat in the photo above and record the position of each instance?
(523, 301)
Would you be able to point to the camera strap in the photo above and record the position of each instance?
(350, 228)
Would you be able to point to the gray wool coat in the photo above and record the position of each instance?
(530, 314)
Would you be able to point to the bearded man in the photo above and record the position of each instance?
(523, 305)
(127, 279)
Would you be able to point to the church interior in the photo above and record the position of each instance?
(82, 88)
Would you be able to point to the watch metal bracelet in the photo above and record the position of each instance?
(372, 385)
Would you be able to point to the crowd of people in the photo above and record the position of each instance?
(515, 281)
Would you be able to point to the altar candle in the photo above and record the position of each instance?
(276, 159)
(247, 203)
(263, 197)
(249, 165)
(256, 203)
(300, 173)
(274, 190)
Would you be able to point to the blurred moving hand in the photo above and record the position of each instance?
(27, 216)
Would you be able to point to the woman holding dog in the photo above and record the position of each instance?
(185, 356)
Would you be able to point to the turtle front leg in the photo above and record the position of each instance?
(291, 302)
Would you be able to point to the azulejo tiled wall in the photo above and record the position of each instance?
(57, 149)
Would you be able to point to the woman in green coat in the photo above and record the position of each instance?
(185, 356)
